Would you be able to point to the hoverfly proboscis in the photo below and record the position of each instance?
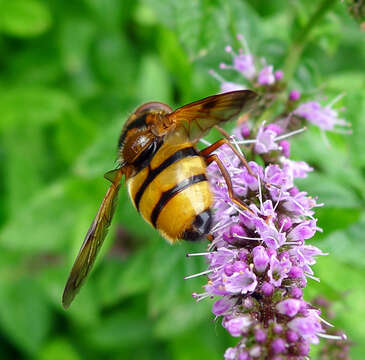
(165, 174)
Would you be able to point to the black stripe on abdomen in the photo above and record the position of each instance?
(169, 194)
(178, 155)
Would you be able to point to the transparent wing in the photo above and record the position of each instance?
(198, 117)
(92, 243)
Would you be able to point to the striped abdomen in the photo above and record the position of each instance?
(172, 193)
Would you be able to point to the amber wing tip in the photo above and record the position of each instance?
(66, 300)
(68, 295)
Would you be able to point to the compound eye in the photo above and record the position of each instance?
(153, 107)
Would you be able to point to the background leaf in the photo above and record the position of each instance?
(24, 18)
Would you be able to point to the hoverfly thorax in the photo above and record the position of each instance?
(138, 142)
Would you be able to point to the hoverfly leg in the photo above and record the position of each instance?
(209, 159)
(208, 150)
(226, 139)
(223, 132)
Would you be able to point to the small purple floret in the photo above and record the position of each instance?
(278, 346)
(294, 95)
(289, 307)
(260, 258)
(266, 76)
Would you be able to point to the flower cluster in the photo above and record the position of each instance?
(259, 261)
(257, 75)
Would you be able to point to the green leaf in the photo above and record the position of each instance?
(42, 224)
(355, 112)
(208, 341)
(117, 280)
(58, 349)
(347, 280)
(182, 317)
(47, 221)
(153, 81)
(169, 267)
(24, 314)
(108, 11)
(100, 156)
(332, 161)
(122, 328)
(24, 18)
(35, 105)
(344, 218)
(196, 23)
(169, 287)
(329, 191)
(351, 80)
(347, 244)
(75, 40)
(112, 47)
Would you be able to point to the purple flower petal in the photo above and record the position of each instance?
(241, 283)
(289, 307)
(238, 325)
(324, 117)
(260, 258)
(266, 76)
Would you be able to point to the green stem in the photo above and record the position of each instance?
(302, 38)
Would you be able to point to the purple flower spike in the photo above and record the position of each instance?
(259, 260)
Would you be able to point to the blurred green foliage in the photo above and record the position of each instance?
(70, 73)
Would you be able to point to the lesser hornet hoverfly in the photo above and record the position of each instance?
(165, 173)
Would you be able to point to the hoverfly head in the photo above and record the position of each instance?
(137, 143)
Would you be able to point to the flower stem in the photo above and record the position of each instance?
(302, 38)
